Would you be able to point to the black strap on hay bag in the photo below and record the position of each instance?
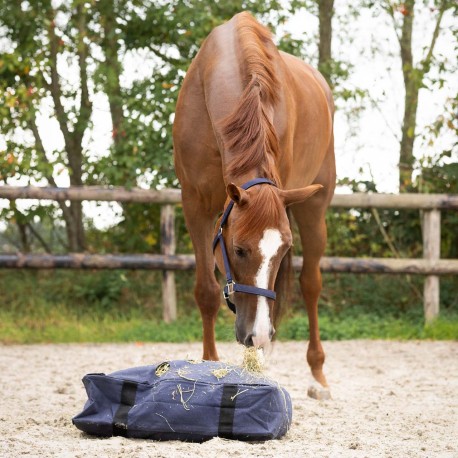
(185, 400)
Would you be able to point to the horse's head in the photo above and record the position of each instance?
(257, 235)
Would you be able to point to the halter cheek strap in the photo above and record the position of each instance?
(231, 287)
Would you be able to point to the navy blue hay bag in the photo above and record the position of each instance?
(185, 400)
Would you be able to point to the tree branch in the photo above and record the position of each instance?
(21, 227)
(376, 105)
(425, 63)
(54, 86)
(113, 67)
(12, 241)
(164, 57)
(37, 235)
(82, 50)
(41, 150)
(384, 233)
(389, 8)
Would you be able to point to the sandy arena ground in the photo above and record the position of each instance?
(390, 399)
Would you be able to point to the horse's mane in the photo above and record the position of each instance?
(247, 132)
(250, 136)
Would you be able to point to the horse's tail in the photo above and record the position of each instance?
(283, 284)
(248, 131)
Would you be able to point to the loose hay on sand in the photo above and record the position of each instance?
(402, 400)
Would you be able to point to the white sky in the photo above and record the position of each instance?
(374, 148)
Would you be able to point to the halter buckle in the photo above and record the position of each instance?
(229, 289)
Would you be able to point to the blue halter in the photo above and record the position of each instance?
(232, 287)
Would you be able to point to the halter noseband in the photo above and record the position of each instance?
(232, 287)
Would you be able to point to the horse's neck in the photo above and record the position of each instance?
(246, 138)
(239, 179)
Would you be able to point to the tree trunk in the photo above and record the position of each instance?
(73, 214)
(75, 231)
(39, 238)
(113, 68)
(412, 81)
(75, 228)
(406, 157)
(23, 237)
(325, 14)
(73, 218)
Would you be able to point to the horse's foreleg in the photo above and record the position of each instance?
(207, 293)
(312, 229)
(311, 284)
(207, 290)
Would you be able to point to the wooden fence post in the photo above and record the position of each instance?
(431, 251)
(168, 246)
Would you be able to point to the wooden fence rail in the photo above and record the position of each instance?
(173, 196)
(187, 262)
(431, 265)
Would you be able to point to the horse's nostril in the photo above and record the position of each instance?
(248, 342)
(271, 332)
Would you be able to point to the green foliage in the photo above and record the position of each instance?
(137, 232)
(61, 59)
(58, 60)
(103, 291)
(440, 175)
(61, 325)
(126, 307)
(366, 326)
(395, 233)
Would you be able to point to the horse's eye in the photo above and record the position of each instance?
(240, 252)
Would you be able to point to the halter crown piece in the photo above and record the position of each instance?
(232, 287)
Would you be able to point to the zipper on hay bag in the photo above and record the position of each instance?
(185, 400)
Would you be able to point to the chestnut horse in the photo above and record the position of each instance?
(248, 111)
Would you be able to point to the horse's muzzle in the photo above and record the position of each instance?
(252, 340)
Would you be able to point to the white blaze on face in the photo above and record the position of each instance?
(268, 247)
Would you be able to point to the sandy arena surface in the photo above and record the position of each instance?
(390, 399)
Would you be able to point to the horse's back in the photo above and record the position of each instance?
(302, 115)
(305, 74)
(310, 119)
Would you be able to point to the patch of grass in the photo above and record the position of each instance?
(117, 306)
(367, 326)
(65, 327)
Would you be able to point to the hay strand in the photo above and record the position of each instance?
(162, 416)
(238, 393)
(252, 360)
(181, 392)
(220, 373)
(183, 373)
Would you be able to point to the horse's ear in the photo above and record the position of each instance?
(238, 195)
(293, 196)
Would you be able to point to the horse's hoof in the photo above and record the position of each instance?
(318, 392)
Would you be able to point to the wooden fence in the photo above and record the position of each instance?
(431, 265)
